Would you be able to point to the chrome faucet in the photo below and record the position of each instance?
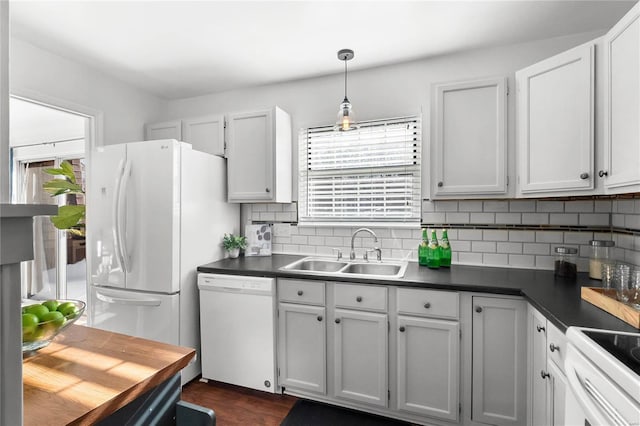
(352, 255)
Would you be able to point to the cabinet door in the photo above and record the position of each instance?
(538, 366)
(302, 341)
(250, 166)
(499, 361)
(428, 367)
(165, 130)
(555, 123)
(622, 103)
(470, 138)
(360, 359)
(205, 133)
(557, 385)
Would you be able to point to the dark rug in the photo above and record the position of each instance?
(309, 413)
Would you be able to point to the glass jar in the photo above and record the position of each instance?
(565, 262)
(600, 253)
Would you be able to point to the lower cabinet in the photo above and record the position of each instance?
(547, 382)
(499, 361)
(556, 393)
(428, 364)
(302, 343)
(360, 356)
(399, 352)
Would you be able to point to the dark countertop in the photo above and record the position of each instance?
(557, 299)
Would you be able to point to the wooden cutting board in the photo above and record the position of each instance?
(605, 300)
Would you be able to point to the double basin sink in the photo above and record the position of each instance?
(354, 268)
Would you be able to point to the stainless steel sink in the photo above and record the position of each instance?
(316, 265)
(335, 268)
(372, 269)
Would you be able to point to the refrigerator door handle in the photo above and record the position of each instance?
(123, 301)
(120, 217)
(116, 215)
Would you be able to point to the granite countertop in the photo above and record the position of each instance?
(559, 300)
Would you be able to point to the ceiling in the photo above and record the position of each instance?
(178, 49)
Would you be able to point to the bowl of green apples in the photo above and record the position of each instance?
(42, 321)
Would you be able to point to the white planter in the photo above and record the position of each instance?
(233, 253)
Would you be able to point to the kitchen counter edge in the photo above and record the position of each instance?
(556, 298)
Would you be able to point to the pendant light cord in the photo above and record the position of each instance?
(345, 78)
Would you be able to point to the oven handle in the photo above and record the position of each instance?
(597, 397)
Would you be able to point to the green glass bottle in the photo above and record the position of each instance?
(445, 250)
(423, 248)
(433, 252)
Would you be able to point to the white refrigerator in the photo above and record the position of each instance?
(157, 210)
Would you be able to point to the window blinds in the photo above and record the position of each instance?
(369, 174)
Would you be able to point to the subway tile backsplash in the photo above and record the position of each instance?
(515, 233)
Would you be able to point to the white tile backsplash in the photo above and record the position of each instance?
(572, 223)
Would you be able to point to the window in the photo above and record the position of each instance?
(371, 174)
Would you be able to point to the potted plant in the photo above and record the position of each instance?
(70, 217)
(233, 243)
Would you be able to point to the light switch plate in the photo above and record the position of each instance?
(281, 229)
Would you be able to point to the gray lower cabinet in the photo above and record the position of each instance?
(302, 344)
(360, 356)
(428, 365)
(499, 361)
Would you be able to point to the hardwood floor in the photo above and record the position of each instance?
(238, 406)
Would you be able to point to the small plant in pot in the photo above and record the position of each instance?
(233, 243)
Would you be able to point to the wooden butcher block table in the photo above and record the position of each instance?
(85, 375)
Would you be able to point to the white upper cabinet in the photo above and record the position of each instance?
(621, 170)
(555, 111)
(259, 156)
(164, 130)
(469, 153)
(205, 133)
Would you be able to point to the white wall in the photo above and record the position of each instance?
(125, 108)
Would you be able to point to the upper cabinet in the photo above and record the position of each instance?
(259, 156)
(621, 171)
(469, 152)
(555, 111)
(164, 130)
(205, 133)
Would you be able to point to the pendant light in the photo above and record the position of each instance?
(346, 119)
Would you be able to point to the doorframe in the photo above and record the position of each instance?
(94, 138)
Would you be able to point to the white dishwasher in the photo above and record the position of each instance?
(237, 317)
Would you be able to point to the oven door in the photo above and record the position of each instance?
(601, 400)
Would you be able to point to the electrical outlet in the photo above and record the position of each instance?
(281, 230)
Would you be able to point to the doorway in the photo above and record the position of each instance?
(43, 136)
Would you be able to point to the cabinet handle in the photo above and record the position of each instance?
(300, 292)
(544, 374)
(554, 348)
(359, 299)
(440, 184)
(603, 173)
(540, 328)
(584, 176)
(478, 309)
(402, 329)
(267, 190)
(337, 320)
(319, 317)
(427, 305)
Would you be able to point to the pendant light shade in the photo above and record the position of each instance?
(346, 118)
